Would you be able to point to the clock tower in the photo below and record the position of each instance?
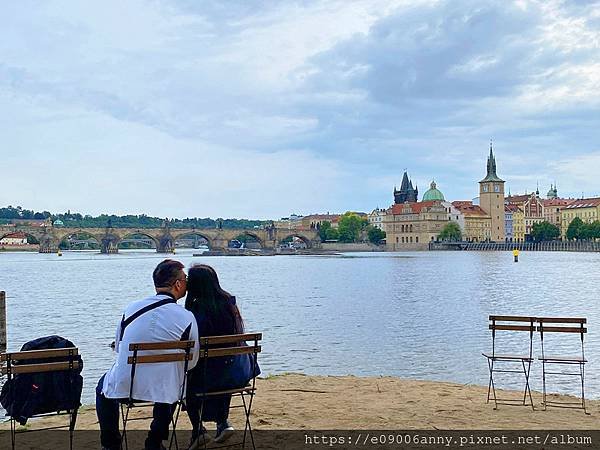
(491, 198)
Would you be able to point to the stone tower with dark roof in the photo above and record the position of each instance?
(491, 199)
(406, 193)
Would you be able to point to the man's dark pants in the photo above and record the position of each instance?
(107, 410)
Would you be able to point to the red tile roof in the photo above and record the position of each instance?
(416, 207)
(469, 209)
(518, 198)
(558, 201)
(584, 203)
(17, 235)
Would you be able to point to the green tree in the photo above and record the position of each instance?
(375, 234)
(450, 232)
(544, 231)
(350, 226)
(575, 229)
(324, 227)
(596, 229)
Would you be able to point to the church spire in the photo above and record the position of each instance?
(491, 167)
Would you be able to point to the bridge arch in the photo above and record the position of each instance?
(255, 237)
(64, 240)
(128, 236)
(180, 236)
(291, 236)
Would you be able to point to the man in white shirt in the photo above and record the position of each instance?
(155, 319)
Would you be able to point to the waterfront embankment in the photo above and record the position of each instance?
(550, 246)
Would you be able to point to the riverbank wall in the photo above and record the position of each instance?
(358, 247)
(553, 246)
(20, 248)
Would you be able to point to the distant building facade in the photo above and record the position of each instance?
(553, 210)
(509, 211)
(377, 218)
(412, 226)
(532, 207)
(477, 222)
(14, 239)
(587, 209)
(314, 221)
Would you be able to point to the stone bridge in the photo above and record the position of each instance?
(164, 238)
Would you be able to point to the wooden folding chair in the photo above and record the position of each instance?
(510, 323)
(36, 361)
(169, 356)
(563, 325)
(231, 345)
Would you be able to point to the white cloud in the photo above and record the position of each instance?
(264, 108)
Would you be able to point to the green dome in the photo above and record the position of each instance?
(433, 193)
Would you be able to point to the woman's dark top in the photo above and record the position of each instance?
(217, 369)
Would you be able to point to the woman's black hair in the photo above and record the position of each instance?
(206, 298)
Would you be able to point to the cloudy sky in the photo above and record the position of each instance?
(261, 109)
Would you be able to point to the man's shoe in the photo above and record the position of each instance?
(200, 440)
(224, 432)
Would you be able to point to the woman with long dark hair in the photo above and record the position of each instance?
(217, 314)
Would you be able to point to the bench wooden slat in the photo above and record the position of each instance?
(44, 367)
(563, 358)
(562, 329)
(172, 345)
(161, 358)
(511, 357)
(39, 354)
(230, 338)
(513, 318)
(512, 327)
(228, 391)
(562, 319)
(231, 351)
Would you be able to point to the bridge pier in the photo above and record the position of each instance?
(109, 247)
(166, 244)
(47, 245)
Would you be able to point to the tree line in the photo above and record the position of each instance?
(351, 228)
(77, 220)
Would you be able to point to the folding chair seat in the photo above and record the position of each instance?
(231, 345)
(524, 359)
(171, 355)
(568, 325)
(37, 362)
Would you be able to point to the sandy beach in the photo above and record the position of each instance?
(300, 402)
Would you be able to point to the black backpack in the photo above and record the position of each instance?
(26, 395)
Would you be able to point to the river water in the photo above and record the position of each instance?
(418, 315)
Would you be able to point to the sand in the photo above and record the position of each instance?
(295, 401)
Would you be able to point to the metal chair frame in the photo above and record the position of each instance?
(508, 324)
(69, 364)
(217, 346)
(557, 325)
(131, 403)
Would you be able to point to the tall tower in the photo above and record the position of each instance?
(491, 198)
